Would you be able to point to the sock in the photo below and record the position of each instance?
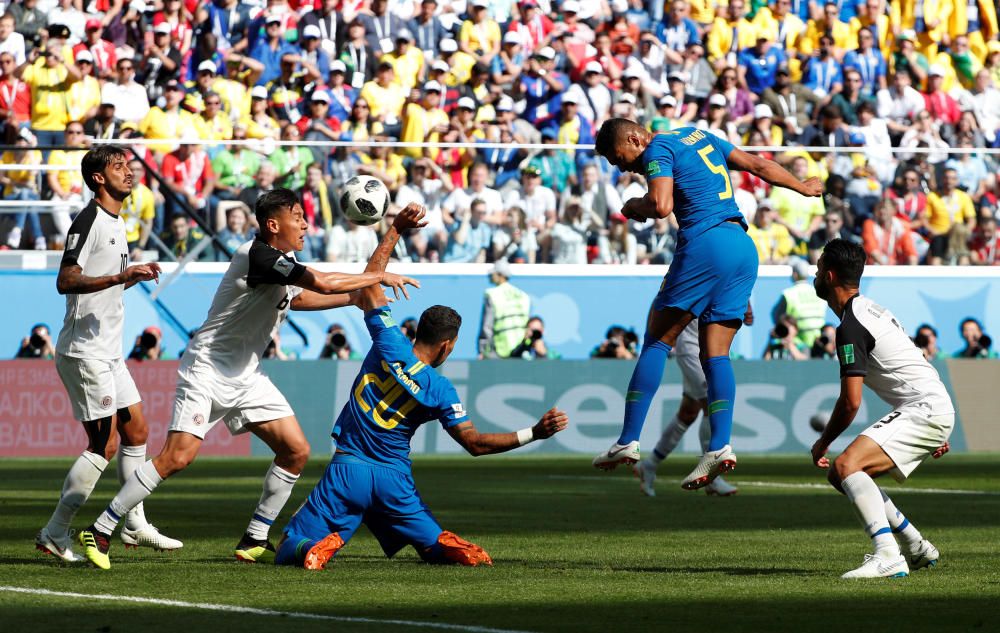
(293, 550)
(143, 481)
(130, 458)
(79, 483)
(904, 530)
(668, 441)
(705, 433)
(867, 500)
(721, 393)
(278, 484)
(642, 387)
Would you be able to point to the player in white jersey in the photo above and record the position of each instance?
(874, 350)
(220, 378)
(93, 275)
(694, 402)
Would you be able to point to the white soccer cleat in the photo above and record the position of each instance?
(877, 567)
(926, 555)
(646, 473)
(722, 488)
(618, 454)
(711, 465)
(60, 548)
(149, 536)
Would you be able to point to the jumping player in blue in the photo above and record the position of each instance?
(711, 277)
(369, 481)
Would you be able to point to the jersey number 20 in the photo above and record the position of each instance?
(388, 390)
(717, 169)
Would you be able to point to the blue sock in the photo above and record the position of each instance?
(293, 550)
(721, 394)
(645, 381)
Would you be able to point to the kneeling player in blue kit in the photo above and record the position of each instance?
(369, 480)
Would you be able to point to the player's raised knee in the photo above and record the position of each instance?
(844, 466)
(295, 456)
(451, 548)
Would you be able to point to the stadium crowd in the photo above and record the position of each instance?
(858, 77)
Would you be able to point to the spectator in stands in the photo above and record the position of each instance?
(974, 176)
(235, 234)
(656, 244)
(784, 343)
(49, 78)
(899, 105)
(22, 185)
(292, 161)
(774, 242)
(183, 238)
(169, 122)
(336, 345)
(537, 201)
(728, 36)
(84, 96)
(967, 126)
(718, 121)
(977, 343)
(927, 340)
(868, 61)
(187, 173)
(823, 74)
(791, 102)
(38, 344)
(385, 98)
(15, 95)
(598, 196)
(263, 182)
(513, 241)
(469, 235)
(951, 219)
(11, 41)
(533, 346)
(355, 244)
(163, 63)
(318, 210)
(799, 214)
(985, 243)
(887, 239)
(380, 25)
(102, 51)
(739, 101)
(148, 345)
(758, 65)
(311, 52)
(940, 105)
(66, 181)
(851, 96)
(104, 125)
(541, 86)
(287, 91)
(477, 190)
(272, 48)
(833, 228)
(424, 120)
(825, 345)
(138, 211)
(986, 104)
(911, 201)
(261, 125)
(28, 20)
(618, 343)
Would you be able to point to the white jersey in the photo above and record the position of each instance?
(251, 302)
(873, 344)
(92, 328)
(687, 340)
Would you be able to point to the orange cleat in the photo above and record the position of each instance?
(458, 550)
(320, 554)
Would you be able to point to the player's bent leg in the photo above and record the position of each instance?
(919, 551)
(450, 548)
(645, 470)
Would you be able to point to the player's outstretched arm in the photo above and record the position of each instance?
(843, 414)
(325, 284)
(477, 443)
(774, 173)
(72, 281)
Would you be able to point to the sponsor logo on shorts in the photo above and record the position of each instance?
(198, 419)
(105, 402)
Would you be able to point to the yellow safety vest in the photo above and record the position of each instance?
(809, 310)
(510, 317)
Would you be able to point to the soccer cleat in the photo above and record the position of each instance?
(95, 547)
(60, 548)
(251, 550)
(926, 555)
(320, 554)
(646, 473)
(711, 465)
(721, 488)
(149, 536)
(877, 567)
(456, 549)
(618, 454)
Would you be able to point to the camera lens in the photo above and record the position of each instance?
(338, 340)
(535, 335)
(985, 342)
(780, 330)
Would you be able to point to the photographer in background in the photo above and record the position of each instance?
(618, 343)
(409, 328)
(38, 344)
(927, 340)
(977, 343)
(533, 346)
(147, 345)
(825, 345)
(784, 343)
(336, 346)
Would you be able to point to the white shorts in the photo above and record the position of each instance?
(909, 436)
(695, 385)
(96, 388)
(204, 398)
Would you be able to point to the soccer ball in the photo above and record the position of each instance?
(364, 200)
(819, 420)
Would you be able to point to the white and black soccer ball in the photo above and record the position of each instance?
(364, 200)
(819, 420)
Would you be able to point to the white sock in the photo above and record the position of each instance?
(900, 525)
(671, 437)
(130, 458)
(143, 481)
(867, 500)
(278, 484)
(80, 482)
(705, 433)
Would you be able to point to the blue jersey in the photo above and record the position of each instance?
(703, 193)
(392, 396)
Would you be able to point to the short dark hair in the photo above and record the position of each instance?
(845, 258)
(927, 326)
(831, 111)
(438, 323)
(272, 203)
(613, 132)
(97, 160)
(961, 326)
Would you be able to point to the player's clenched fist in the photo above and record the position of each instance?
(819, 454)
(412, 217)
(551, 423)
(141, 272)
(812, 187)
(398, 283)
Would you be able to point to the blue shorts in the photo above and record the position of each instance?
(712, 276)
(353, 491)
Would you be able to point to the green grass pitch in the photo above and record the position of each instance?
(574, 550)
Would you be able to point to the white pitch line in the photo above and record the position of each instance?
(254, 611)
(799, 486)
